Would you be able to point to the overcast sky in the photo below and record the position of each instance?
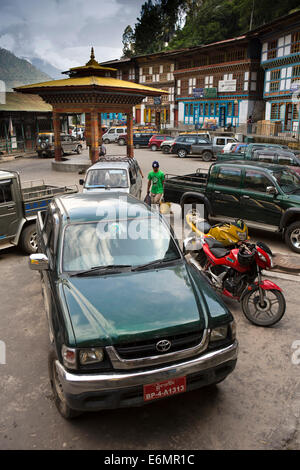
(63, 31)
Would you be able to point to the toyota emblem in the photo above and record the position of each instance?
(163, 345)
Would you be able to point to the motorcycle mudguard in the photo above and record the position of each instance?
(265, 285)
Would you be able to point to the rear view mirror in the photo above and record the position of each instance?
(271, 190)
(38, 262)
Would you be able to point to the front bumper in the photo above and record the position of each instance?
(111, 390)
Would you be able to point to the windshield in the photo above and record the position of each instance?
(288, 181)
(107, 177)
(131, 242)
(44, 138)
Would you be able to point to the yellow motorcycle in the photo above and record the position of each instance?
(226, 233)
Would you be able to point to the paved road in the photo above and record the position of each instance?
(257, 407)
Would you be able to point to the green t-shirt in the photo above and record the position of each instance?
(157, 182)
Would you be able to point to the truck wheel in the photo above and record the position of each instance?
(182, 153)
(207, 156)
(57, 390)
(28, 241)
(166, 149)
(153, 148)
(107, 141)
(122, 142)
(292, 236)
(79, 149)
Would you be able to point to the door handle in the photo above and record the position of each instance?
(10, 206)
(246, 197)
(217, 192)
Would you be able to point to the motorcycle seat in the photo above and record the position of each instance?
(216, 247)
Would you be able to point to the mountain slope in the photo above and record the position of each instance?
(46, 67)
(16, 72)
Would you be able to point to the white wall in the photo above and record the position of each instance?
(268, 112)
(244, 112)
(181, 112)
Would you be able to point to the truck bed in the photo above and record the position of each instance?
(36, 197)
(175, 185)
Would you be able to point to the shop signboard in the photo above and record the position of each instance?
(198, 92)
(227, 85)
(210, 92)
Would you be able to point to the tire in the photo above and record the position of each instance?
(122, 142)
(207, 156)
(107, 141)
(137, 146)
(182, 153)
(79, 149)
(292, 237)
(28, 241)
(59, 399)
(166, 149)
(153, 148)
(261, 316)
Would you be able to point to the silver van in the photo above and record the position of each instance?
(121, 174)
(45, 144)
(113, 134)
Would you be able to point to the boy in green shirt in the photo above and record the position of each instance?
(157, 179)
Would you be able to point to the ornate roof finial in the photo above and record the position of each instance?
(92, 54)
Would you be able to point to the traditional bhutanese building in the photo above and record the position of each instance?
(280, 60)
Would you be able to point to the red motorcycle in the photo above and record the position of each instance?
(237, 273)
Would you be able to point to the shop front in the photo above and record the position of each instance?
(220, 112)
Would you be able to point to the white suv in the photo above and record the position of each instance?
(113, 133)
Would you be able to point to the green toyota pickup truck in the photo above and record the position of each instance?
(265, 196)
(130, 320)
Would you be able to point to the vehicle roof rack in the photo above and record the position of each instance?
(115, 158)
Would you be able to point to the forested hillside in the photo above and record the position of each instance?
(16, 72)
(173, 24)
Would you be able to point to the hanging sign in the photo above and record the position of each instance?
(198, 92)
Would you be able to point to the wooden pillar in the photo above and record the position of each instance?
(57, 142)
(94, 147)
(100, 128)
(130, 148)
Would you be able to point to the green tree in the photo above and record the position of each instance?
(128, 42)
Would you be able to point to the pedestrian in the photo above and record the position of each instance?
(249, 125)
(157, 178)
(102, 151)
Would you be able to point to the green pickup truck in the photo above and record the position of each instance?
(265, 196)
(19, 206)
(249, 151)
(130, 320)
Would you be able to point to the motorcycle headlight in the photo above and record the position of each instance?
(219, 333)
(91, 356)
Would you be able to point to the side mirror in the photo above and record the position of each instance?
(271, 190)
(38, 262)
(191, 244)
(81, 182)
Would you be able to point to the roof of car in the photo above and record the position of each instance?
(105, 164)
(91, 207)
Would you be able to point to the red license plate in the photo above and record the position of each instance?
(164, 389)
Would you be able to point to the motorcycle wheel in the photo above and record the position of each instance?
(266, 315)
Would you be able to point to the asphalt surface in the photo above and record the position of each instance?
(256, 407)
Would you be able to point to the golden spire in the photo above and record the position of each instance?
(92, 54)
(92, 60)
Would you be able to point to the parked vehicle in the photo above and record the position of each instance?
(119, 174)
(78, 132)
(239, 148)
(277, 156)
(112, 344)
(249, 152)
(265, 196)
(140, 139)
(237, 273)
(113, 134)
(157, 139)
(167, 144)
(229, 234)
(45, 144)
(194, 145)
(228, 148)
(19, 206)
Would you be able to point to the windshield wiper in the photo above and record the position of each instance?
(157, 262)
(100, 269)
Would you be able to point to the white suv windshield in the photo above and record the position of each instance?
(102, 178)
(131, 242)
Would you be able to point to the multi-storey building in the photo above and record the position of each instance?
(220, 83)
(280, 59)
